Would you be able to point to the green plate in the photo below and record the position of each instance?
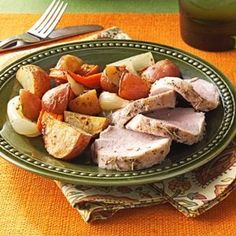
(29, 153)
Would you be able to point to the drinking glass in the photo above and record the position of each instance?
(208, 25)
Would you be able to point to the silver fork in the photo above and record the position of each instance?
(42, 28)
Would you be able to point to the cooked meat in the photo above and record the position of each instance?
(63, 140)
(186, 89)
(123, 115)
(183, 125)
(126, 150)
(207, 90)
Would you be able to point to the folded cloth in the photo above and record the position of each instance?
(192, 193)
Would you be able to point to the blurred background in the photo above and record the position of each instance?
(149, 6)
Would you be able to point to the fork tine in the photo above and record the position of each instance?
(49, 16)
(51, 20)
(51, 25)
(42, 18)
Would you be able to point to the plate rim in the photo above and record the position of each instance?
(104, 180)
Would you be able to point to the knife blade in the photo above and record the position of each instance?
(57, 34)
(73, 30)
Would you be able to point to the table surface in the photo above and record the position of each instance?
(33, 205)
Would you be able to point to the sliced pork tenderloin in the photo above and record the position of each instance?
(123, 115)
(186, 88)
(207, 90)
(183, 125)
(127, 150)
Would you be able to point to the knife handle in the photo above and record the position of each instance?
(8, 42)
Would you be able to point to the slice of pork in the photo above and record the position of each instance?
(183, 125)
(207, 90)
(123, 115)
(127, 150)
(192, 90)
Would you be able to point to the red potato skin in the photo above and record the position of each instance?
(57, 143)
(132, 87)
(69, 63)
(86, 103)
(38, 77)
(110, 78)
(31, 104)
(161, 69)
(84, 141)
(42, 82)
(107, 85)
(57, 99)
(58, 75)
(43, 116)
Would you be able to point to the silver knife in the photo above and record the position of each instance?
(57, 34)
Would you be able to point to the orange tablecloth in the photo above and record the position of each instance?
(33, 205)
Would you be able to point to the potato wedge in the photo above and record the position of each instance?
(33, 79)
(57, 99)
(110, 78)
(69, 62)
(163, 68)
(31, 104)
(58, 75)
(62, 140)
(132, 87)
(86, 103)
(90, 124)
(43, 116)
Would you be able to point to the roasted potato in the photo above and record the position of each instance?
(43, 115)
(57, 99)
(111, 77)
(86, 103)
(161, 69)
(33, 79)
(30, 104)
(132, 87)
(90, 124)
(62, 140)
(59, 76)
(69, 63)
(88, 69)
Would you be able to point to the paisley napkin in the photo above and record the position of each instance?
(192, 193)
